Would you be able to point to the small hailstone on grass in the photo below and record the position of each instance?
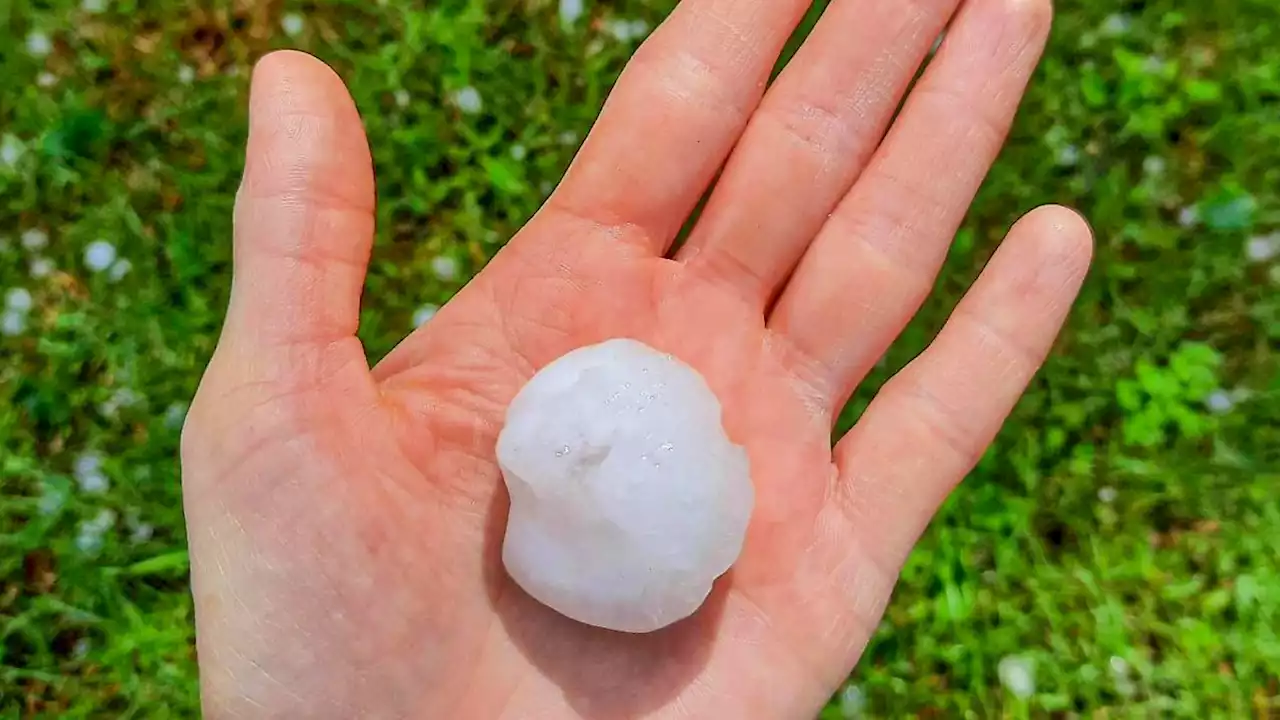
(99, 255)
(46, 80)
(444, 267)
(618, 28)
(1018, 676)
(293, 24)
(1219, 402)
(81, 649)
(1069, 156)
(628, 498)
(13, 323)
(39, 44)
(88, 472)
(1116, 25)
(1107, 494)
(186, 74)
(626, 30)
(423, 315)
(141, 533)
(17, 303)
(853, 702)
(568, 137)
(570, 11)
(93, 6)
(95, 484)
(121, 398)
(52, 498)
(41, 267)
(1189, 216)
(468, 100)
(175, 415)
(1154, 165)
(11, 150)
(118, 270)
(639, 28)
(519, 152)
(402, 98)
(1120, 675)
(18, 300)
(34, 239)
(92, 532)
(1263, 249)
(1118, 665)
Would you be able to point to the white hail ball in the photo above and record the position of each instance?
(628, 499)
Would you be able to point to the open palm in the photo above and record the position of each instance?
(346, 523)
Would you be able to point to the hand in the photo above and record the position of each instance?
(346, 523)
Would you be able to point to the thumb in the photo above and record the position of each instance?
(303, 234)
(304, 214)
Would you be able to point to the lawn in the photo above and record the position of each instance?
(1116, 554)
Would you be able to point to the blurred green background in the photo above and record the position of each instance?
(1116, 554)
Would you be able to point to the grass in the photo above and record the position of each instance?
(1115, 554)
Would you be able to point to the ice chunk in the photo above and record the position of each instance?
(628, 499)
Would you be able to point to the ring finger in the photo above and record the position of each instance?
(876, 258)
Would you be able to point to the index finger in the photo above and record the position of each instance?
(675, 113)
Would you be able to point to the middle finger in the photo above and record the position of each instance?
(876, 258)
(809, 140)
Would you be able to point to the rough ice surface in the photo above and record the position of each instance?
(628, 499)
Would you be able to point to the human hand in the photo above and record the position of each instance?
(346, 523)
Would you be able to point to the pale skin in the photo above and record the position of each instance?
(346, 521)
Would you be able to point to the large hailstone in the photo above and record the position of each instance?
(628, 499)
